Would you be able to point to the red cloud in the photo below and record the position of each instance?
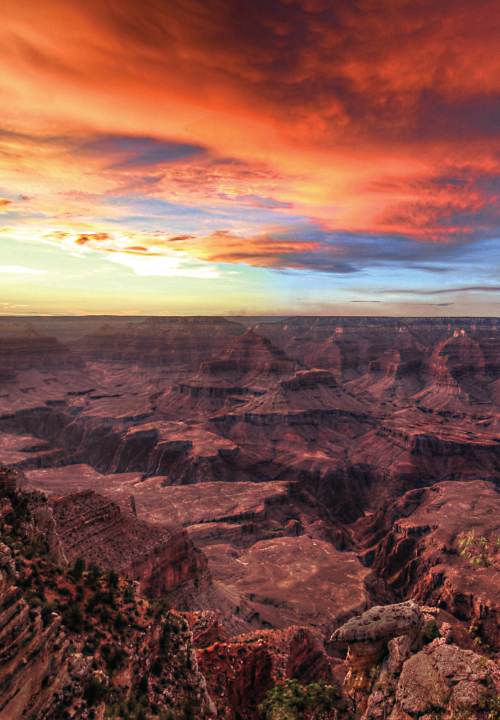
(327, 110)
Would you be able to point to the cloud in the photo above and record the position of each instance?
(443, 291)
(146, 254)
(20, 270)
(431, 268)
(130, 152)
(304, 247)
(96, 237)
(462, 202)
(164, 266)
(299, 135)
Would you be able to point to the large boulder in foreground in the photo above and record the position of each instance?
(381, 623)
(446, 680)
(393, 674)
(368, 636)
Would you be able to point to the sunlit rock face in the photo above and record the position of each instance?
(162, 559)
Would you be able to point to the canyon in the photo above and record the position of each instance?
(269, 480)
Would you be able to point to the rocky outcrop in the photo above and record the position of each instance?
(368, 636)
(82, 644)
(240, 672)
(446, 680)
(456, 374)
(439, 545)
(206, 628)
(390, 675)
(163, 559)
(250, 359)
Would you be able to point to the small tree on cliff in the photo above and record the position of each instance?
(78, 568)
(292, 701)
(112, 580)
(73, 617)
(477, 549)
(93, 576)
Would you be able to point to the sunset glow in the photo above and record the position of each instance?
(297, 156)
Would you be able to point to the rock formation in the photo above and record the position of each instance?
(390, 677)
(78, 643)
(322, 466)
(440, 545)
(162, 559)
(239, 672)
(368, 636)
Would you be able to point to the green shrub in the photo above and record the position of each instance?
(113, 657)
(494, 708)
(291, 700)
(477, 549)
(94, 691)
(430, 631)
(112, 580)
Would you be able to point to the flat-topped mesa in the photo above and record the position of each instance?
(160, 342)
(28, 350)
(308, 379)
(163, 559)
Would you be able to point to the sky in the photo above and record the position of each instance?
(250, 157)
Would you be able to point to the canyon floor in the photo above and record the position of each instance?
(275, 472)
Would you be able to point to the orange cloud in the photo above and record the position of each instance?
(97, 237)
(343, 113)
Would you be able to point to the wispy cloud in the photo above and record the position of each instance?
(443, 291)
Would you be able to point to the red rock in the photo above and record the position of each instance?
(162, 559)
(240, 672)
(418, 551)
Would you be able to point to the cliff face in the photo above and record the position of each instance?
(81, 644)
(239, 672)
(439, 545)
(160, 342)
(162, 559)
(33, 655)
(23, 348)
